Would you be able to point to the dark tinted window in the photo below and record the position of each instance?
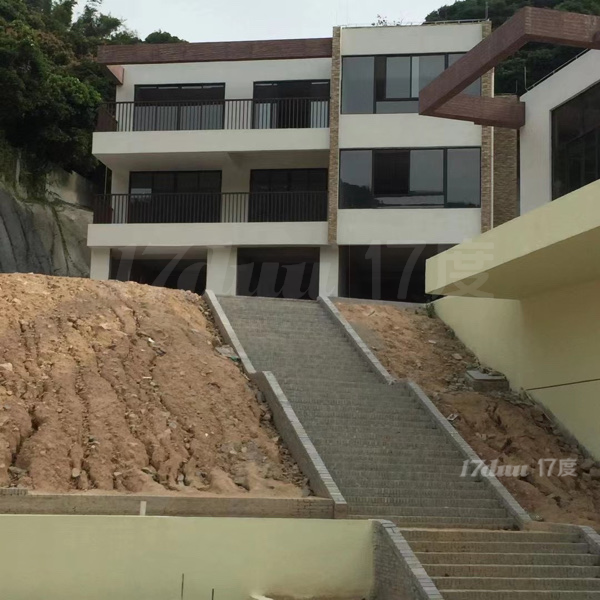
(172, 182)
(475, 88)
(464, 177)
(419, 177)
(356, 168)
(358, 79)
(289, 180)
(391, 84)
(576, 143)
(426, 69)
(180, 93)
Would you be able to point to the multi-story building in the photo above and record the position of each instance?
(524, 296)
(288, 167)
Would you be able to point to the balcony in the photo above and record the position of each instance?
(238, 207)
(281, 113)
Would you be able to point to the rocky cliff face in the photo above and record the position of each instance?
(43, 237)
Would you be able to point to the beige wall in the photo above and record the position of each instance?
(550, 341)
(50, 557)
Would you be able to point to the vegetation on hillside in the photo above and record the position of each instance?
(533, 62)
(51, 85)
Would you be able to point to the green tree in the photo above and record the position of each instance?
(51, 83)
(162, 37)
(534, 61)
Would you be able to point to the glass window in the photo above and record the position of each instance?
(355, 178)
(464, 177)
(405, 177)
(427, 69)
(427, 171)
(475, 88)
(391, 172)
(358, 77)
(172, 182)
(397, 77)
(576, 143)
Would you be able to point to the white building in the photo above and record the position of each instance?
(288, 167)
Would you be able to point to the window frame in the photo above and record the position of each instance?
(446, 56)
(152, 173)
(444, 193)
(555, 148)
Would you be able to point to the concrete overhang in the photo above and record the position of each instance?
(554, 246)
(183, 149)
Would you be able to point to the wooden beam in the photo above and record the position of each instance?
(133, 54)
(116, 73)
(441, 98)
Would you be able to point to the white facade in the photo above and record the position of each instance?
(536, 135)
(237, 151)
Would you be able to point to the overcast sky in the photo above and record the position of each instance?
(225, 20)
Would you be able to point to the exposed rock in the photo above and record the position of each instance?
(49, 239)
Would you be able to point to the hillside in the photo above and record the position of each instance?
(118, 387)
(497, 425)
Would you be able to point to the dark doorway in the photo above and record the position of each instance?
(187, 274)
(288, 195)
(291, 104)
(394, 273)
(278, 272)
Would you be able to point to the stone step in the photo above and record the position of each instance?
(374, 420)
(393, 443)
(523, 559)
(383, 427)
(509, 585)
(520, 595)
(367, 479)
(417, 499)
(430, 511)
(542, 537)
(497, 547)
(385, 452)
(442, 522)
(518, 571)
(387, 463)
(424, 488)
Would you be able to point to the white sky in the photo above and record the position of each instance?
(227, 20)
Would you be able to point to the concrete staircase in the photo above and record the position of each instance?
(382, 448)
(391, 462)
(507, 565)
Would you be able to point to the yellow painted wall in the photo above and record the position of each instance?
(551, 340)
(130, 558)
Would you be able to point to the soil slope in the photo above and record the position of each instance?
(118, 387)
(499, 426)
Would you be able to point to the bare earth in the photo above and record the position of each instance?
(118, 387)
(497, 426)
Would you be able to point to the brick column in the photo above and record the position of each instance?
(334, 146)
(487, 148)
(506, 192)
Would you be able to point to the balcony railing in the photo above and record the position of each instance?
(283, 113)
(237, 207)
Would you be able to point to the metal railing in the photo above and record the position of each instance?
(235, 207)
(282, 113)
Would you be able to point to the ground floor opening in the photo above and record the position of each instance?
(394, 273)
(181, 272)
(278, 272)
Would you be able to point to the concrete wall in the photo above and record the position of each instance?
(410, 39)
(47, 557)
(536, 136)
(189, 235)
(548, 344)
(408, 226)
(238, 76)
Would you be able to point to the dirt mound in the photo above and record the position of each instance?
(119, 387)
(497, 426)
